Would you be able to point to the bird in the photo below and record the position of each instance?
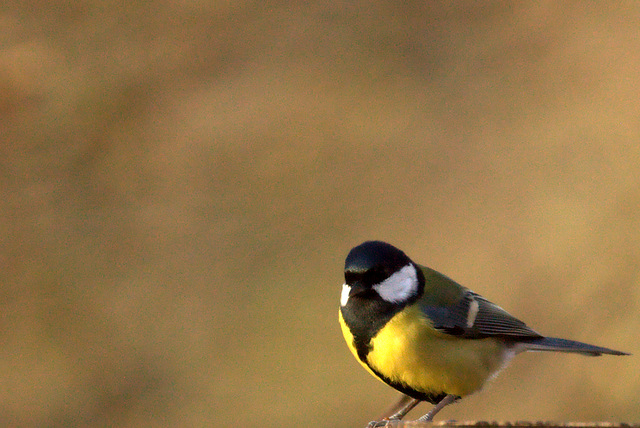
(427, 336)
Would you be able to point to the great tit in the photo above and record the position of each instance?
(426, 335)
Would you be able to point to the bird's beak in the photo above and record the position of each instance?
(356, 288)
(348, 291)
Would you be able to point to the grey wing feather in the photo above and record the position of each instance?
(564, 345)
(475, 317)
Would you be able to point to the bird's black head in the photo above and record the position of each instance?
(380, 280)
(377, 270)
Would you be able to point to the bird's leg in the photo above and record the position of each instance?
(403, 411)
(444, 402)
(396, 416)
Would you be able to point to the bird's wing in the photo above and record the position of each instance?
(458, 311)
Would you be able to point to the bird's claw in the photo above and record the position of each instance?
(380, 424)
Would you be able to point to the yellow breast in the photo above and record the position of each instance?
(410, 351)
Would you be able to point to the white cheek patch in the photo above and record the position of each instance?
(399, 286)
(344, 296)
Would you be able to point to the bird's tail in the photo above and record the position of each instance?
(564, 345)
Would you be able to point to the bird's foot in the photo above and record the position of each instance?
(382, 423)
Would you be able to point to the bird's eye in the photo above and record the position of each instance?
(376, 275)
(370, 277)
(351, 277)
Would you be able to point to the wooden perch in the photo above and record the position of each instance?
(517, 424)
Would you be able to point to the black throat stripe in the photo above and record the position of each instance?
(431, 397)
(365, 318)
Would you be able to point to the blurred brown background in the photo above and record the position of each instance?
(182, 180)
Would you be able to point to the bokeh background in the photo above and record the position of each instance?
(181, 181)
